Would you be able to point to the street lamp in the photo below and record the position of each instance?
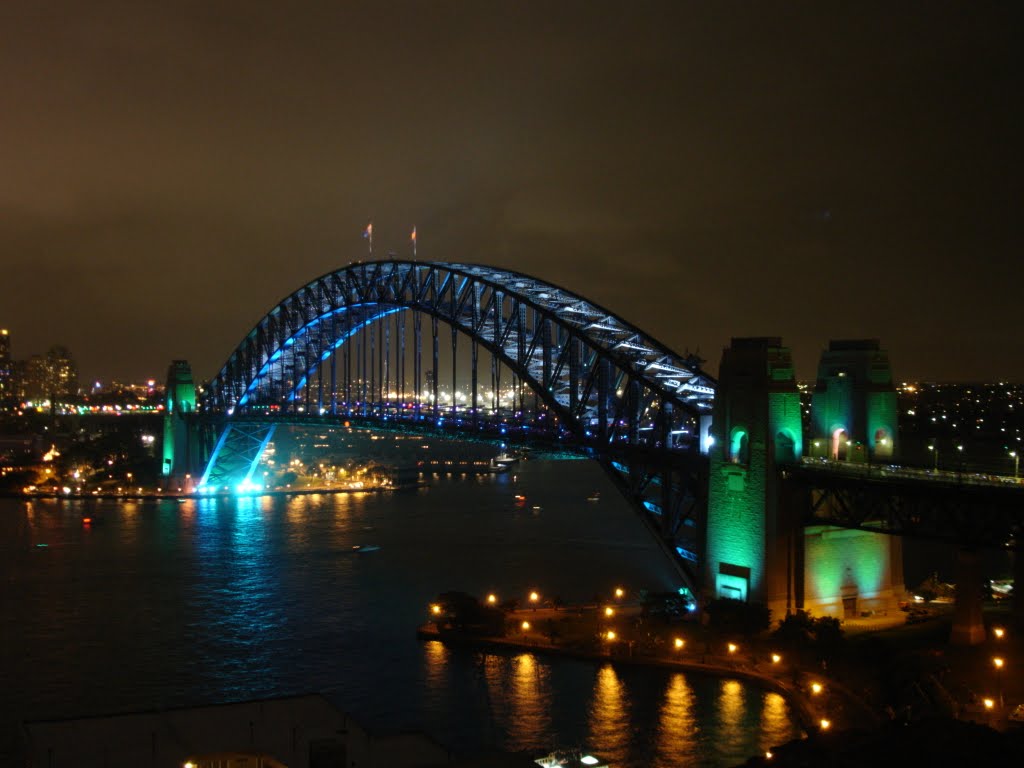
(816, 688)
(998, 662)
(609, 612)
(733, 647)
(679, 643)
(999, 632)
(934, 449)
(1016, 464)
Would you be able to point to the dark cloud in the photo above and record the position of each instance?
(706, 170)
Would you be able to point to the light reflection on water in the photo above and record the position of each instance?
(609, 718)
(677, 725)
(165, 604)
(530, 703)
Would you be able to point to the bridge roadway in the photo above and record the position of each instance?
(970, 509)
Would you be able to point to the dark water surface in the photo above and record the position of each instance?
(160, 604)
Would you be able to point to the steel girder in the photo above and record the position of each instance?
(631, 402)
(607, 381)
(235, 456)
(972, 515)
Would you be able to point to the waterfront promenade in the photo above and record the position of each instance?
(818, 703)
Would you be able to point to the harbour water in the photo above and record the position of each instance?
(165, 603)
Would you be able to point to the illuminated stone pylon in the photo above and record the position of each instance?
(853, 408)
(180, 405)
(756, 426)
(854, 420)
(756, 547)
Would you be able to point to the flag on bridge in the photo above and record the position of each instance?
(368, 234)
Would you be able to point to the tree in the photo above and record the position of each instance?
(802, 632)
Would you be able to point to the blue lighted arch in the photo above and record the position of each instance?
(631, 402)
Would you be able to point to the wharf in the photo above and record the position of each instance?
(145, 495)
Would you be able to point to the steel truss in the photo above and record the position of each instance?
(236, 455)
(632, 403)
(971, 515)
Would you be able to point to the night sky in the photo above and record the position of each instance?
(170, 170)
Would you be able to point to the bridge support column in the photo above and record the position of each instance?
(756, 423)
(968, 627)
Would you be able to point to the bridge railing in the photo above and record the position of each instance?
(897, 471)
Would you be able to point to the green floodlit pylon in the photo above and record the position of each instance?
(854, 412)
(181, 401)
(756, 426)
(854, 420)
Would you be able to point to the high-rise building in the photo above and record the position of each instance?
(6, 369)
(53, 377)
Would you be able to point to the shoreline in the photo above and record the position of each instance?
(217, 495)
(806, 715)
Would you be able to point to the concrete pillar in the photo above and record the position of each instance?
(968, 627)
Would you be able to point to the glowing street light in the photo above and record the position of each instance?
(998, 662)
(534, 597)
(733, 647)
(679, 643)
(776, 658)
(1016, 464)
(989, 703)
(619, 592)
(609, 612)
(816, 688)
(435, 609)
(998, 632)
(825, 724)
(610, 635)
(492, 599)
(525, 625)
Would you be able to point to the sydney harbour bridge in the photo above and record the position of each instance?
(717, 470)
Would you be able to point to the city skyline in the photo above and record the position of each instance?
(705, 173)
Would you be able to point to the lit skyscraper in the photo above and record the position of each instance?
(53, 377)
(6, 368)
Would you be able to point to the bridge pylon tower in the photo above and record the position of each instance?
(854, 419)
(759, 547)
(181, 454)
(853, 407)
(752, 552)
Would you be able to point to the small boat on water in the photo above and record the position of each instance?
(572, 758)
(503, 462)
(361, 548)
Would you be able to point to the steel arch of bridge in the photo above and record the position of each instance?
(638, 407)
